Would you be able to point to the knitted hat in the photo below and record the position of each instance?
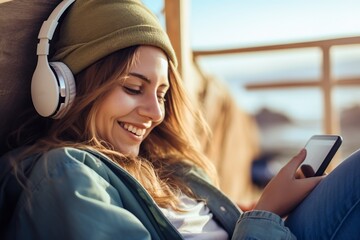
(93, 29)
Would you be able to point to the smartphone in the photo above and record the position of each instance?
(320, 149)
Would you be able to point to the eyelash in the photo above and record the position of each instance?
(132, 91)
(136, 92)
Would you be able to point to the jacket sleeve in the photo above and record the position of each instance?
(261, 225)
(68, 200)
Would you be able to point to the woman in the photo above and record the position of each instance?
(122, 163)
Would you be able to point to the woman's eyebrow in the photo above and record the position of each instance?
(142, 77)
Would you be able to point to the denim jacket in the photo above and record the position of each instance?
(77, 194)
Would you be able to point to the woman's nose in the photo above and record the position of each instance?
(152, 108)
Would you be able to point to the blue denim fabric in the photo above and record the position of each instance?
(77, 195)
(332, 209)
(261, 225)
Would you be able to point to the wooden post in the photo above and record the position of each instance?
(331, 121)
(177, 16)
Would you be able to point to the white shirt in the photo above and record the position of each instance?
(196, 221)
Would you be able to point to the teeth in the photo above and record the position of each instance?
(133, 129)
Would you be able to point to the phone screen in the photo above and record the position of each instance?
(320, 149)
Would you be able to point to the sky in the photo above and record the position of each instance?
(252, 22)
(222, 24)
(237, 23)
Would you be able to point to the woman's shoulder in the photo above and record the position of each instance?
(53, 163)
(59, 168)
(66, 158)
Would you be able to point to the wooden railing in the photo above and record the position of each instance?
(325, 83)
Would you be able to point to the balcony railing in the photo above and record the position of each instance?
(326, 82)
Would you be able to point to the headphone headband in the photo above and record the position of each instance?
(48, 27)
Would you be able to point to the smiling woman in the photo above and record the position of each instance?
(118, 157)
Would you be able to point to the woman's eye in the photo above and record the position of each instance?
(133, 91)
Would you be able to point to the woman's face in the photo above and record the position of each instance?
(135, 106)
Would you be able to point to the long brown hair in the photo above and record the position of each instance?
(166, 147)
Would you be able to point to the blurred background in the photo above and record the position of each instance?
(292, 66)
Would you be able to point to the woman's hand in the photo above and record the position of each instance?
(287, 189)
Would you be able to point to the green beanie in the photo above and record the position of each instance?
(93, 29)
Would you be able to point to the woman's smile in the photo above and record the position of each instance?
(137, 131)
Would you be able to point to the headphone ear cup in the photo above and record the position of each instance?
(52, 88)
(44, 89)
(67, 86)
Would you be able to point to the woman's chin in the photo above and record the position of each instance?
(128, 150)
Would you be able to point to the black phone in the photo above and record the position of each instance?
(320, 149)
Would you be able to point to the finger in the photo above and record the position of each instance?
(297, 160)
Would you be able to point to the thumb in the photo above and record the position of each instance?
(296, 161)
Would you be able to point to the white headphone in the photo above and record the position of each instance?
(53, 84)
